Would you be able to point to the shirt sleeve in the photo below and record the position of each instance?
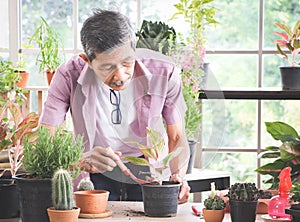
(174, 107)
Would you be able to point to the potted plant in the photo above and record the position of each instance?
(281, 155)
(42, 158)
(291, 41)
(160, 197)
(48, 41)
(92, 202)
(14, 127)
(20, 68)
(62, 198)
(190, 53)
(214, 207)
(157, 36)
(243, 202)
(294, 210)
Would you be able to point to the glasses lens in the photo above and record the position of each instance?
(116, 116)
(114, 98)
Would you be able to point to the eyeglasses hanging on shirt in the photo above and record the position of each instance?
(115, 99)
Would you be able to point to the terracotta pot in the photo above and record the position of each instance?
(63, 215)
(23, 83)
(50, 74)
(213, 215)
(91, 201)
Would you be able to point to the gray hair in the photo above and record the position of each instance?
(105, 30)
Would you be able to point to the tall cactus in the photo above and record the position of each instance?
(62, 190)
(243, 192)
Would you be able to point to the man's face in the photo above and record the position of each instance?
(115, 68)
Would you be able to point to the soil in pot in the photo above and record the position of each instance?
(9, 202)
(161, 200)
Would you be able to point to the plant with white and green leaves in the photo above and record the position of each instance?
(154, 151)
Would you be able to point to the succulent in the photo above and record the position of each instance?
(157, 36)
(243, 192)
(62, 190)
(85, 184)
(214, 203)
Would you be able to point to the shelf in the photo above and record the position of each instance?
(250, 93)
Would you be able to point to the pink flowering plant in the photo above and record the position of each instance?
(191, 63)
(190, 54)
(291, 41)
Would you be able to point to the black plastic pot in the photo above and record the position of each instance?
(290, 77)
(193, 149)
(35, 198)
(294, 211)
(161, 200)
(243, 211)
(9, 199)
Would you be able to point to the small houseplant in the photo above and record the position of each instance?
(42, 158)
(243, 199)
(160, 197)
(214, 207)
(92, 203)
(62, 198)
(290, 41)
(48, 41)
(281, 155)
(190, 54)
(14, 127)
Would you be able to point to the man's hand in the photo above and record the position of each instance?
(184, 192)
(99, 160)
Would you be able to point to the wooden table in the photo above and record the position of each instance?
(134, 211)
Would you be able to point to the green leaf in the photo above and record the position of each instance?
(172, 155)
(269, 154)
(137, 160)
(273, 168)
(281, 131)
(156, 141)
(147, 151)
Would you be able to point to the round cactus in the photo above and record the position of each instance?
(243, 192)
(85, 184)
(62, 190)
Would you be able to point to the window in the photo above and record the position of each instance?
(240, 53)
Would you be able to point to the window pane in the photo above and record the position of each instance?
(58, 15)
(286, 12)
(4, 27)
(241, 165)
(232, 120)
(127, 7)
(233, 70)
(271, 72)
(287, 111)
(238, 25)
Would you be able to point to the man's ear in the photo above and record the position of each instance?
(84, 57)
